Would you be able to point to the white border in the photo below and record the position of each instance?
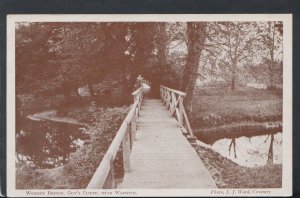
(286, 189)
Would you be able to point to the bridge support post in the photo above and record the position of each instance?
(126, 151)
(140, 100)
(168, 99)
(133, 128)
(181, 110)
(110, 180)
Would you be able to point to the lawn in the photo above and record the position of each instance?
(246, 110)
(235, 106)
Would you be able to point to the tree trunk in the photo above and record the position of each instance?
(271, 80)
(271, 69)
(190, 95)
(233, 81)
(272, 60)
(191, 63)
(196, 34)
(162, 44)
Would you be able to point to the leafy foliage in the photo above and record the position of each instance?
(33, 57)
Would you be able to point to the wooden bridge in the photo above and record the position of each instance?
(156, 152)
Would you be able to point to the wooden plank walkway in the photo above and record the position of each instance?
(161, 156)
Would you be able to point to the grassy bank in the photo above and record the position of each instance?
(219, 110)
(248, 129)
(228, 174)
(77, 172)
(36, 101)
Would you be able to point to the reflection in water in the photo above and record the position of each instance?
(46, 144)
(251, 151)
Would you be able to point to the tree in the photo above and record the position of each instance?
(196, 35)
(33, 57)
(90, 51)
(140, 49)
(273, 43)
(176, 53)
(233, 44)
(58, 58)
(148, 49)
(160, 68)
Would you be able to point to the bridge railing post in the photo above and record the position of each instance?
(162, 94)
(141, 98)
(175, 105)
(168, 99)
(126, 151)
(110, 180)
(171, 102)
(181, 109)
(133, 127)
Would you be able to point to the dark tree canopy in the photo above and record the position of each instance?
(61, 57)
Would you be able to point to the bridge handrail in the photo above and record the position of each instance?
(174, 90)
(137, 91)
(174, 102)
(104, 175)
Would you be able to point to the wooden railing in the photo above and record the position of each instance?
(173, 99)
(104, 175)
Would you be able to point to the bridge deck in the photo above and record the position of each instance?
(161, 156)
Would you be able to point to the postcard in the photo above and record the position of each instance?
(132, 105)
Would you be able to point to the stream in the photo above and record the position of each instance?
(46, 143)
(251, 151)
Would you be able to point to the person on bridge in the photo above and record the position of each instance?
(139, 82)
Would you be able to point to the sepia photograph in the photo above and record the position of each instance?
(121, 105)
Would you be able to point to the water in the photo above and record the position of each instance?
(250, 151)
(47, 144)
